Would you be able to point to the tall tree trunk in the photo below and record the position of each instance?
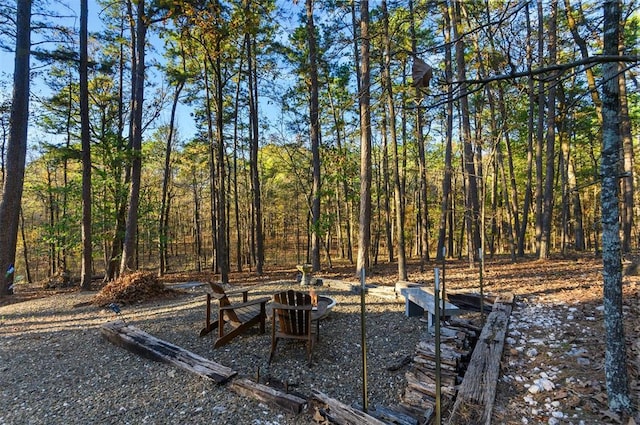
(615, 363)
(16, 149)
(163, 230)
(222, 253)
(397, 187)
(314, 135)
(626, 181)
(364, 235)
(547, 202)
(87, 250)
(522, 231)
(383, 186)
(540, 133)
(120, 197)
(472, 205)
(130, 237)
(254, 147)
(445, 208)
(423, 207)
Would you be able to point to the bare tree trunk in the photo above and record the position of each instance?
(423, 207)
(364, 235)
(540, 134)
(128, 252)
(472, 205)
(397, 188)
(17, 149)
(547, 201)
(522, 231)
(445, 209)
(163, 230)
(222, 253)
(383, 183)
(87, 250)
(626, 182)
(25, 249)
(616, 374)
(314, 135)
(254, 147)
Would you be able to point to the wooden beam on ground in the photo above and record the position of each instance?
(342, 414)
(140, 342)
(269, 395)
(476, 395)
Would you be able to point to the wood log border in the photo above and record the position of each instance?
(474, 399)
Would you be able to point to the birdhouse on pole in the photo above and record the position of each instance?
(421, 73)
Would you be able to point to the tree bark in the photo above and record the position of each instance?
(16, 149)
(364, 235)
(129, 248)
(87, 250)
(397, 188)
(547, 200)
(617, 381)
(446, 207)
(472, 205)
(314, 135)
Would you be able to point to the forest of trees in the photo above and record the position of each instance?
(228, 135)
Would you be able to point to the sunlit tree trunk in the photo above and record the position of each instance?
(128, 252)
(87, 250)
(163, 228)
(314, 136)
(446, 205)
(16, 149)
(550, 137)
(397, 187)
(522, 231)
(626, 180)
(472, 205)
(617, 381)
(364, 236)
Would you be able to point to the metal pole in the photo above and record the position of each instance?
(437, 337)
(363, 331)
(444, 261)
(481, 257)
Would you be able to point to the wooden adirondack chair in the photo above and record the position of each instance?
(293, 312)
(240, 316)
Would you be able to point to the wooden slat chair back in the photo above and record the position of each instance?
(291, 319)
(239, 316)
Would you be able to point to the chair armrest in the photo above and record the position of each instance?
(239, 291)
(264, 300)
(291, 307)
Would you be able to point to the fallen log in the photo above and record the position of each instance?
(476, 395)
(140, 342)
(342, 414)
(289, 402)
(391, 416)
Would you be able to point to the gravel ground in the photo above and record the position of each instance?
(55, 367)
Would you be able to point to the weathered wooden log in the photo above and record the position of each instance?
(140, 342)
(448, 355)
(289, 402)
(340, 413)
(420, 401)
(476, 394)
(391, 416)
(428, 386)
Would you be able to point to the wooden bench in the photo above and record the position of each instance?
(420, 299)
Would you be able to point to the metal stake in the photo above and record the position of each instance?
(365, 402)
(437, 338)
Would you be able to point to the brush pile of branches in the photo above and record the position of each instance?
(132, 288)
